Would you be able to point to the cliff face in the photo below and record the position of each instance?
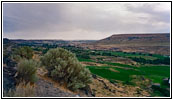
(147, 43)
(140, 39)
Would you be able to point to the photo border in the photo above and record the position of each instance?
(86, 97)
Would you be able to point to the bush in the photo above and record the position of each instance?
(63, 66)
(23, 53)
(26, 71)
(21, 90)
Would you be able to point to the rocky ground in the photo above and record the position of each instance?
(8, 77)
(47, 89)
(100, 87)
(103, 88)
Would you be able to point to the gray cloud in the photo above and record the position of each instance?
(82, 20)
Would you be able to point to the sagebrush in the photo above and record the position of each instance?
(24, 52)
(63, 66)
(26, 71)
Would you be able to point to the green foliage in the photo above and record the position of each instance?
(85, 60)
(24, 52)
(106, 54)
(26, 71)
(158, 91)
(163, 60)
(63, 66)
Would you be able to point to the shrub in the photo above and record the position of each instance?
(63, 66)
(26, 70)
(21, 90)
(22, 53)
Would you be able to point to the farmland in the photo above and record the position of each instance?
(131, 69)
(154, 67)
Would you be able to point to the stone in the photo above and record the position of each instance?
(166, 80)
(77, 96)
(155, 85)
(94, 76)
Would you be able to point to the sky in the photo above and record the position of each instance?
(83, 21)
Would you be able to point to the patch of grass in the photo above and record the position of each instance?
(158, 56)
(105, 72)
(85, 60)
(118, 64)
(133, 54)
(155, 73)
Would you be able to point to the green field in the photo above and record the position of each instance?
(147, 67)
(105, 72)
(154, 73)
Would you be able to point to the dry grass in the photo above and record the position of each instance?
(119, 89)
(113, 70)
(22, 90)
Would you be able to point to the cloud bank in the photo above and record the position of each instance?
(89, 21)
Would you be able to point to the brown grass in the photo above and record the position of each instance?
(22, 90)
(113, 70)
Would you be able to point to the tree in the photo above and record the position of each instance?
(63, 66)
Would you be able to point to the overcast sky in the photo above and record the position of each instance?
(83, 21)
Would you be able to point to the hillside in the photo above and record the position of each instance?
(137, 40)
(151, 43)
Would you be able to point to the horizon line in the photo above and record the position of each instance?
(89, 39)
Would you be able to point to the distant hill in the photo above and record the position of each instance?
(137, 40)
(6, 41)
(158, 43)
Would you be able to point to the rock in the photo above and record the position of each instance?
(110, 90)
(115, 84)
(143, 78)
(113, 91)
(168, 89)
(77, 96)
(93, 92)
(106, 87)
(166, 80)
(86, 91)
(47, 89)
(155, 85)
(94, 76)
(8, 78)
